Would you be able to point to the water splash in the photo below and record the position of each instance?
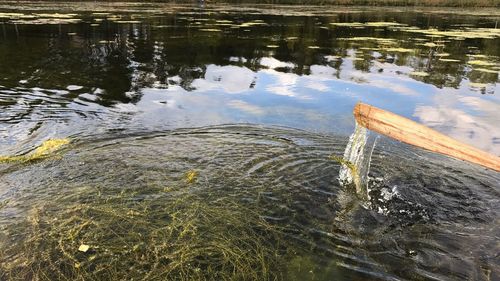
(355, 164)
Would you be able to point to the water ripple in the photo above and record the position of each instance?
(286, 177)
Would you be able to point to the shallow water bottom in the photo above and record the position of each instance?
(243, 202)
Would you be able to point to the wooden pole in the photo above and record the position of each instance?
(408, 131)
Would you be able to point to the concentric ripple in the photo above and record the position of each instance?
(259, 198)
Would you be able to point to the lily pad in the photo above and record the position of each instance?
(481, 63)
(478, 85)
(210, 29)
(419, 73)
(449, 60)
(400, 50)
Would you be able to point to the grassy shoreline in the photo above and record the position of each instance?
(394, 3)
(386, 3)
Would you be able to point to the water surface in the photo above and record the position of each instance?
(186, 119)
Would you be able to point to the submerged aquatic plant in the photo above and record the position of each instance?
(180, 236)
(44, 150)
(191, 176)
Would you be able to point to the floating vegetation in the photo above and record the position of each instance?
(383, 41)
(347, 24)
(448, 60)
(56, 16)
(469, 33)
(486, 70)
(272, 46)
(15, 16)
(47, 21)
(419, 73)
(478, 56)
(222, 24)
(49, 146)
(400, 50)
(384, 24)
(210, 29)
(44, 150)
(332, 58)
(313, 47)
(10, 15)
(430, 45)
(41, 18)
(367, 24)
(253, 23)
(481, 63)
(478, 85)
(113, 18)
(128, 21)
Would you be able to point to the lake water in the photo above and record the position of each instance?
(201, 139)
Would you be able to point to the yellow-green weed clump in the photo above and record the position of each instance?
(347, 163)
(44, 150)
(191, 176)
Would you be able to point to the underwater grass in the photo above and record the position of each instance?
(178, 236)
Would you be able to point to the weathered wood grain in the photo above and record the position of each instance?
(408, 131)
